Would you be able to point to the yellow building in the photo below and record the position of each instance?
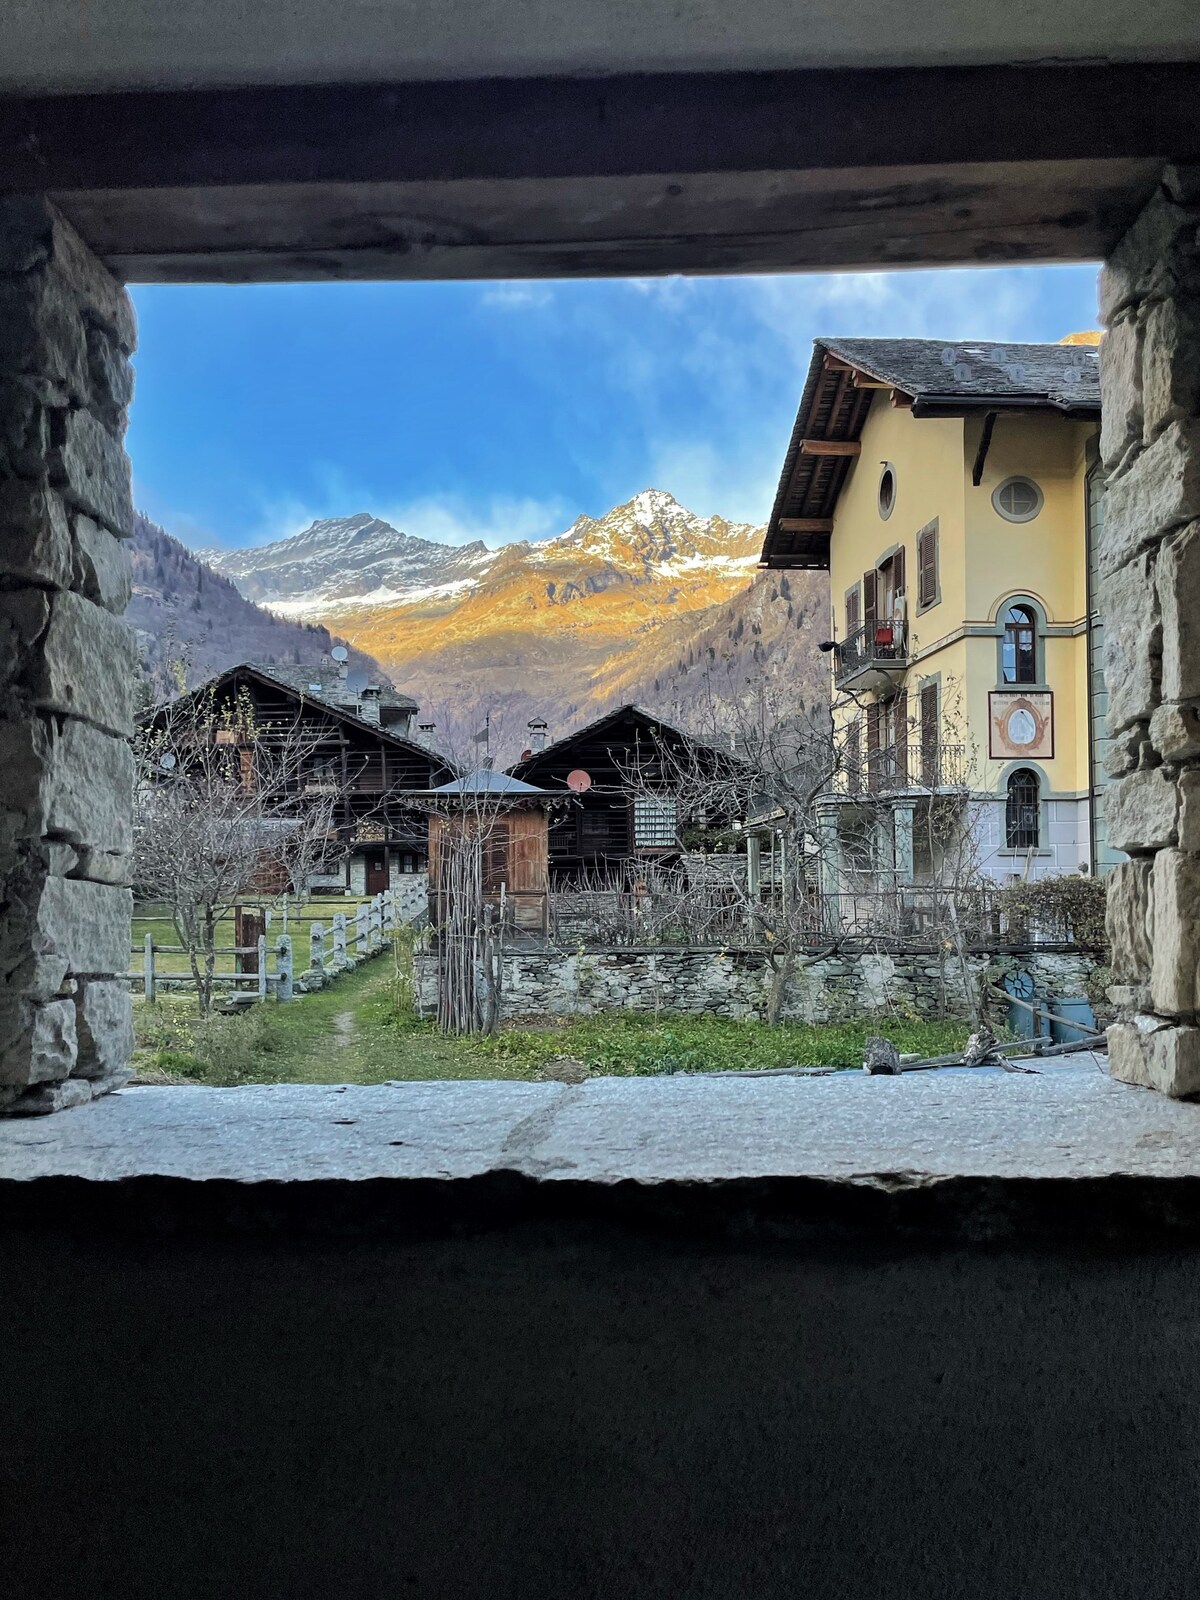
(950, 490)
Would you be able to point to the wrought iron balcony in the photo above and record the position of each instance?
(874, 656)
(914, 764)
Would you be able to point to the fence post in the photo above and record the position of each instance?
(360, 931)
(375, 924)
(339, 939)
(316, 948)
(283, 967)
(285, 910)
(149, 987)
(262, 966)
(389, 909)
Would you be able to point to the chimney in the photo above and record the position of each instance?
(538, 730)
(425, 734)
(369, 701)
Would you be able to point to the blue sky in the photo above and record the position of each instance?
(502, 411)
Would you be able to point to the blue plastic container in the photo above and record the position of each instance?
(1020, 1018)
(1073, 1009)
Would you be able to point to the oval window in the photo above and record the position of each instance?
(887, 490)
(1017, 499)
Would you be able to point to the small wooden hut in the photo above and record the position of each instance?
(510, 869)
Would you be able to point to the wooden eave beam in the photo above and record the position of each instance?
(830, 447)
(805, 524)
(652, 172)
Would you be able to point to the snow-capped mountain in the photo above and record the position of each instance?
(346, 558)
(638, 604)
(341, 563)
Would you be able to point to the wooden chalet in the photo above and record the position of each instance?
(511, 819)
(611, 822)
(374, 770)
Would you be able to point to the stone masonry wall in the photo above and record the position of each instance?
(1149, 552)
(67, 665)
(735, 983)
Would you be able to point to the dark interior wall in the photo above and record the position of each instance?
(580, 1409)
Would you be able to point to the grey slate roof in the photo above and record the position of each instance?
(486, 781)
(969, 369)
(330, 685)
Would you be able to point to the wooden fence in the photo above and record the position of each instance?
(362, 933)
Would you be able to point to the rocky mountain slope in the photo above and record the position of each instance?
(183, 612)
(649, 603)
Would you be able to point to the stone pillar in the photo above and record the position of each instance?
(829, 846)
(1150, 602)
(67, 665)
(904, 816)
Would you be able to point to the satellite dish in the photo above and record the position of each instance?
(340, 653)
(579, 781)
(167, 761)
(357, 680)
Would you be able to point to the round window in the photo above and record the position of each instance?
(887, 490)
(1017, 499)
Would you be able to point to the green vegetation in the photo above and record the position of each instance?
(364, 1030)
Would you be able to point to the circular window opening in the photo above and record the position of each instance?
(1017, 499)
(887, 490)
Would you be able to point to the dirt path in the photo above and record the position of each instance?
(343, 1029)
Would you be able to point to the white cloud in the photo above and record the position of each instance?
(517, 296)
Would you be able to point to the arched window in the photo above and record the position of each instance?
(1022, 811)
(1018, 656)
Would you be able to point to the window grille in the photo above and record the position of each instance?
(1022, 813)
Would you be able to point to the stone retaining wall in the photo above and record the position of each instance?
(67, 665)
(735, 983)
(1149, 554)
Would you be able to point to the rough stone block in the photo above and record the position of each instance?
(76, 658)
(87, 923)
(110, 373)
(73, 783)
(1142, 811)
(1170, 364)
(104, 1027)
(96, 291)
(48, 1097)
(1158, 493)
(1189, 810)
(1127, 751)
(37, 1041)
(24, 432)
(35, 535)
(1127, 917)
(1154, 1056)
(1132, 642)
(1175, 933)
(102, 572)
(42, 338)
(87, 461)
(26, 232)
(1153, 260)
(1121, 390)
(1175, 731)
(1178, 582)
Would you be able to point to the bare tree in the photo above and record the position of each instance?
(225, 803)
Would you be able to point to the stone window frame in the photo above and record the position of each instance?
(1041, 851)
(1013, 517)
(887, 470)
(1041, 627)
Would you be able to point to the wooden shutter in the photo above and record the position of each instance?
(927, 563)
(898, 571)
(854, 757)
(869, 589)
(929, 735)
(853, 617)
(873, 746)
(900, 725)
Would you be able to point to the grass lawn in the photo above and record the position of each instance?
(361, 1030)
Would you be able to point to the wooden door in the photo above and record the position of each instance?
(377, 871)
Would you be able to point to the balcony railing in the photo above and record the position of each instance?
(873, 656)
(898, 768)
